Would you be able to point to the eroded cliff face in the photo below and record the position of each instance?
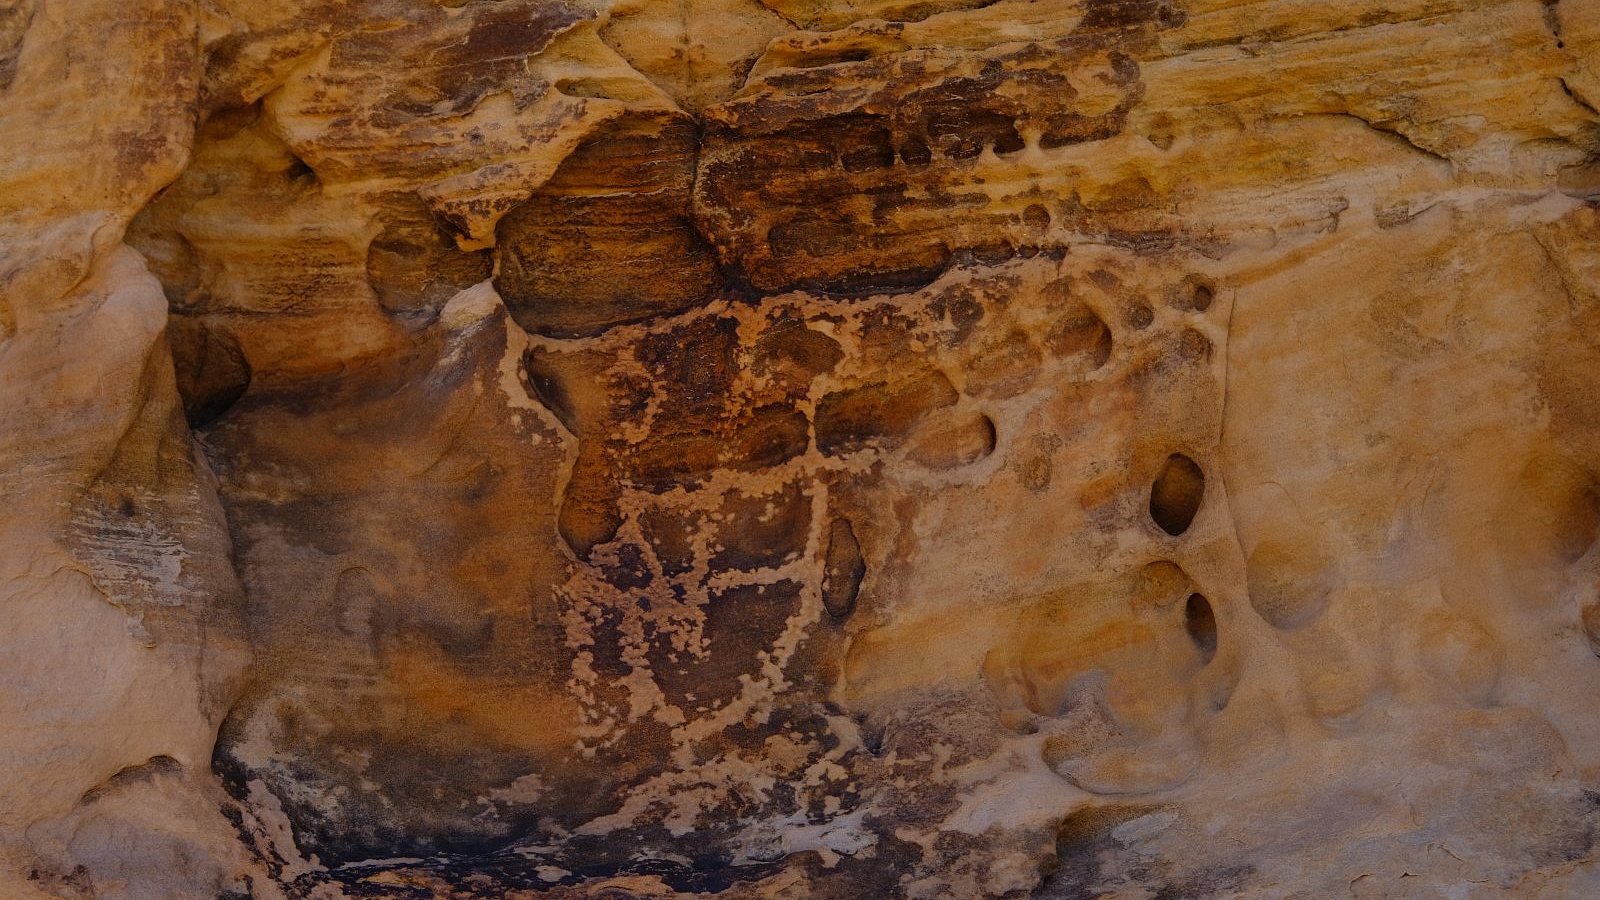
(874, 448)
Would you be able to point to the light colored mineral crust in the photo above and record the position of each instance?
(799, 448)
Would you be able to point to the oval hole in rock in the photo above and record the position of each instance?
(1084, 333)
(1194, 294)
(1176, 494)
(1201, 624)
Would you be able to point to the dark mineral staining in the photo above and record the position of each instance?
(865, 149)
(14, 20)
(915, 152)
(791, 353)
(1211, 881)
(671, 534)
(1176, 494)
(882, 413)
(741, 624)
(760, 439)
(824, 250)
(1120, 14)
(760, 531)
(698, 360)
(864, 192)
(961, 116)
(609, 239)
(843, 570)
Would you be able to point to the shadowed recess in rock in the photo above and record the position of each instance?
(1176, 494)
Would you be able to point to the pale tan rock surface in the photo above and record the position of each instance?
(799, 448)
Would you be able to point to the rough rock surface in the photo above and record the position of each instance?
(799, 448)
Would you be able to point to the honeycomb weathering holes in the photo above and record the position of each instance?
(1176, 494)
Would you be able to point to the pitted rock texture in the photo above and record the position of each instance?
(800, 448)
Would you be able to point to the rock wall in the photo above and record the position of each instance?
(799, 448)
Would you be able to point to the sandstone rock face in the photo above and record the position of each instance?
(799, 448)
